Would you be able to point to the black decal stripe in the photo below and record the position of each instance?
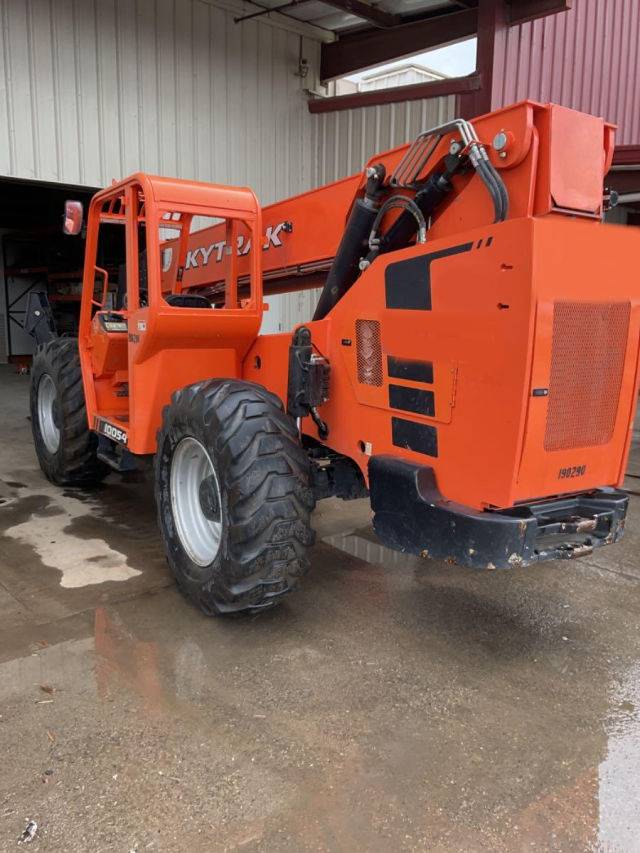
(413, 436)
(412, 400)
(409, 368)
(407, 283)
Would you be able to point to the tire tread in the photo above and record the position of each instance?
(76, 462)
(265, 475)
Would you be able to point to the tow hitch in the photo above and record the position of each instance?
(411, 515)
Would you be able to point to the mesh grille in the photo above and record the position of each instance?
(369, 352)
(587, 360)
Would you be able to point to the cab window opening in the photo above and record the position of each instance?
(204, 260)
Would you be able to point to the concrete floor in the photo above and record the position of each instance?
(392, 704)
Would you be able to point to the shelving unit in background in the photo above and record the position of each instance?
(36, 265)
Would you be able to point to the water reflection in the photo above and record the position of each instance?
(412, 701)
(124, 660)
(360, 544)
(619, 773)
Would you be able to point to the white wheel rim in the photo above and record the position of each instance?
(195, 501)
(49, 430)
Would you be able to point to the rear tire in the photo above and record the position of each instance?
(233, 496)
(65, 446)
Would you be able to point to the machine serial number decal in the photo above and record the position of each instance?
(576, 471)
(111, 431)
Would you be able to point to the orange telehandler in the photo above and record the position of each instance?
(472, 363)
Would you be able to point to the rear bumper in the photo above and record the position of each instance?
(411, 515)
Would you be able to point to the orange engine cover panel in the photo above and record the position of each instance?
(448, 355)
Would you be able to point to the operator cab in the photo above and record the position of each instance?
(139, 322)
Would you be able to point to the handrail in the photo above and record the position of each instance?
(105, 285)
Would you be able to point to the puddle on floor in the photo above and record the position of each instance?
(173, 664)
(81, 561)
(619, 773)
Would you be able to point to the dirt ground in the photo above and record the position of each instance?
(391, 704)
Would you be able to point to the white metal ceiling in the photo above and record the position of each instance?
(329, 18)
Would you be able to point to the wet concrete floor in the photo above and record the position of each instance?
(392, 704)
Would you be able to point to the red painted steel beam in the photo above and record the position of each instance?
(364, 50)
(414, 92)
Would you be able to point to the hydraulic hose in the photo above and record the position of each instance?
(492, 180)
(427, 198)
(417, 212)
(406, 204)
(367, 214)
(494, 191)
(501, 186)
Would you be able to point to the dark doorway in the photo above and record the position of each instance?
(35, 254)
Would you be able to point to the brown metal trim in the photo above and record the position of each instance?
(520, 11)
(626, 155)
(492, 29)
(495, 18)
(369, 48)
(624, 182)
(415, 92)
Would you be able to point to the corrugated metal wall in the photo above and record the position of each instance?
(92, 90)
(586, 58)
(347, 139)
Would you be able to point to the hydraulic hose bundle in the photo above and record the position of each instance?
(416, 213)
(368, 213)
(414, 162)
(491, 179)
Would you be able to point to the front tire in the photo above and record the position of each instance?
(233, 496)
(65, 446)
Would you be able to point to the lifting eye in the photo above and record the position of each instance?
(257, 362)
(502, 306)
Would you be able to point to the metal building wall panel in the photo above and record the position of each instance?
(91, 91)
(346, 139)
(586, 58)
(286, 310)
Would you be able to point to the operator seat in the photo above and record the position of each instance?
(187, 300)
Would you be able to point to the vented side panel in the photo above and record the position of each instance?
(369, 352)
(587, 361)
